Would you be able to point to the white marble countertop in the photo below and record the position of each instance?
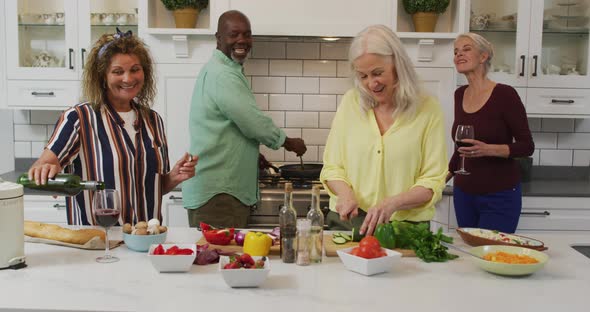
(60, 278)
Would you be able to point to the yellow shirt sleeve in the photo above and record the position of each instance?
(411, 153)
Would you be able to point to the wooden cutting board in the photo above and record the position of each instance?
(232, 247)
(330, 247)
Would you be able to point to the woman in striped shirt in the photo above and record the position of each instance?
(114, 136)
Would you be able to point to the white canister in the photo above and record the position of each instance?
(12, 239)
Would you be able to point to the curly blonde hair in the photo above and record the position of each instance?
(94, 80)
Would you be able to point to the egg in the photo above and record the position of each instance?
(153, 229)
(162, 229)
(127, 228)
(141, 232)
(141, 225)
(153, 222)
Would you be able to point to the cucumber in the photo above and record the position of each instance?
(337, 234)
(339, 240)
(356, 235)
(346, 237)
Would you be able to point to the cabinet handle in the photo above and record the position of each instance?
(59, 206)
(555, 101)
(82, 52)
(522, 57)
(542, 214)
(35, 93)
(535, 57)
(172, 197)
(70, 57)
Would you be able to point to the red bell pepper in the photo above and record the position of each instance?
(217, 236)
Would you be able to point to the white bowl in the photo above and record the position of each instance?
(142, 243)
(172, 263)
(244, 277)
(368, 266)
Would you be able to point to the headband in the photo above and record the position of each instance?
(117, 36)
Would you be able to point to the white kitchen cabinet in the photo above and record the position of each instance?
(49, 41)
(175, 86)
(547, 214)
(2, 61)
(438, 82)
(541, 46)
(449, 24)
(155, 19)
(442, 212)
(174, 213)
(326, 18)
(45, 209)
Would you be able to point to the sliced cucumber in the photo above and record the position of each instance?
(339, 240)
(346, 236)
(337, 234)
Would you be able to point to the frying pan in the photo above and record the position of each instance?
(294, 171)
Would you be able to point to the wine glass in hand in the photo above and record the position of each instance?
(107, 208)
(463, 132)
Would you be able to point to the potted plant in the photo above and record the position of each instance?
(185, 11)
(425, 12)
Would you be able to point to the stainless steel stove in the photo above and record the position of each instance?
(272, 196)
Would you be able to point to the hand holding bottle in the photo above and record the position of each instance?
(40, 172)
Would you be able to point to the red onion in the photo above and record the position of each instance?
(239, 237)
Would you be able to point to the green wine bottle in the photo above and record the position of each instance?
(60, 185)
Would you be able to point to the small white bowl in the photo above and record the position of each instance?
(244, 277)
(368, 266)
(172, 263)
(142, 243)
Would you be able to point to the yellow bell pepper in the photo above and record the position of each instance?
(257, 244)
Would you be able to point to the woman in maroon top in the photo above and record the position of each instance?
(490, 196)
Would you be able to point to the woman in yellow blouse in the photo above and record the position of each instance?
(386, 152)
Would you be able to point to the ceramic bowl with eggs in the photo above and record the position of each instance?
(141, 236)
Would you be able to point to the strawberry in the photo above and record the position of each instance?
(246, 259)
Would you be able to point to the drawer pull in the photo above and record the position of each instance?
(535, 58)
(59, 206)
(542, 214)
(172, 197)
(71, 51)
(35, 93)
(555, 101)
(522, 57)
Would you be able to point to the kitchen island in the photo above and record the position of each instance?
(61, 278)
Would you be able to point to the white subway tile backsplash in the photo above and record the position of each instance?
(277, 117)
(536, 156)
(573, 141)
(335, 85)
(22, 149)
(303, 50)
(255, 67)
(285, 102)
(582, 125)
(556, 158)
(272, 155)
(545, 140)
(319, 103)
(37, 148)
(302, 85)
(30, 132)
(50, 129)
(293, 132)
(315, 136)
(326, 119)
(302, 119)
(334, 51)
(268, 50)
(21, 117)
(319, 68)
(39, 117)
(343, 69)
(311, 155)
(534, 124)
(557, 125)
(286, 67)
(268, 84)
(581, 158)
(261, 100)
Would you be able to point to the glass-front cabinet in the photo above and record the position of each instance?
(541, 48)
(48, 39)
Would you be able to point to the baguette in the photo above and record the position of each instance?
(58, 233)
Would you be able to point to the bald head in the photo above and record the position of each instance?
(234, 36)
(233, 15)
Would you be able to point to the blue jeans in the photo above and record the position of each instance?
(495, 211)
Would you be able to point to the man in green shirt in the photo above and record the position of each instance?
(226, 128)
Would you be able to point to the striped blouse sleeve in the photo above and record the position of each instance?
(65, 140)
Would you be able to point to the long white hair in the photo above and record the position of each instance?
(381, 40)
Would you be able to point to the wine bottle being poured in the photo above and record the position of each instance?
(60, 185)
